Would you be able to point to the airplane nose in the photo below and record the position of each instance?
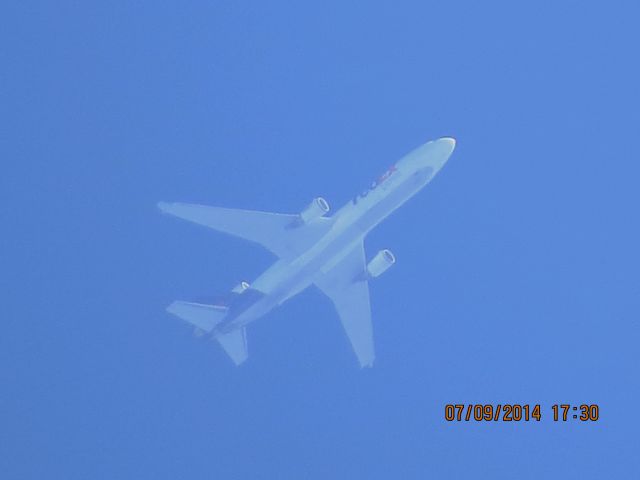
(442, 150)
(448, 142)
(432, 154)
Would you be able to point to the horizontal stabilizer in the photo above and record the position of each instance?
(235, 344)
(204, 317)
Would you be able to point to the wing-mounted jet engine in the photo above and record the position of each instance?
(316, 209)
(380, 263)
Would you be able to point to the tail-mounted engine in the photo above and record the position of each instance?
(241, 287)
(316, 209)
(380, 263)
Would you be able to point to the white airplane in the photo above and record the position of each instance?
(327, 252)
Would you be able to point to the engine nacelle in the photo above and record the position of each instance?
(380, 263)
(241, 287)
(317, 208)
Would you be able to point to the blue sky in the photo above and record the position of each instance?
(517, 274)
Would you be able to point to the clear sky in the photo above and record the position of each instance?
(517, 275)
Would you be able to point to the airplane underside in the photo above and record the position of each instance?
(327, 252)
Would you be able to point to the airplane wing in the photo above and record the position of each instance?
(277, 232)
(350, 295)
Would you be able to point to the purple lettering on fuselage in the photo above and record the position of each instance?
(379, 181)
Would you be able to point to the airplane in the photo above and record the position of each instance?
(312, 249)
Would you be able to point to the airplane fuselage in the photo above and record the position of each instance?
(350, 224)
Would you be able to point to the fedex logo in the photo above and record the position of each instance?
(379, 181)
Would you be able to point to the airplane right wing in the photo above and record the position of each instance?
(349, 291)
(276, 232)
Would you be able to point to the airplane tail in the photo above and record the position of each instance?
(205, 318)
(202, 316)
(234, 344)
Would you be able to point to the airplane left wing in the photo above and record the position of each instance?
(349, 292)
(276, 232)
